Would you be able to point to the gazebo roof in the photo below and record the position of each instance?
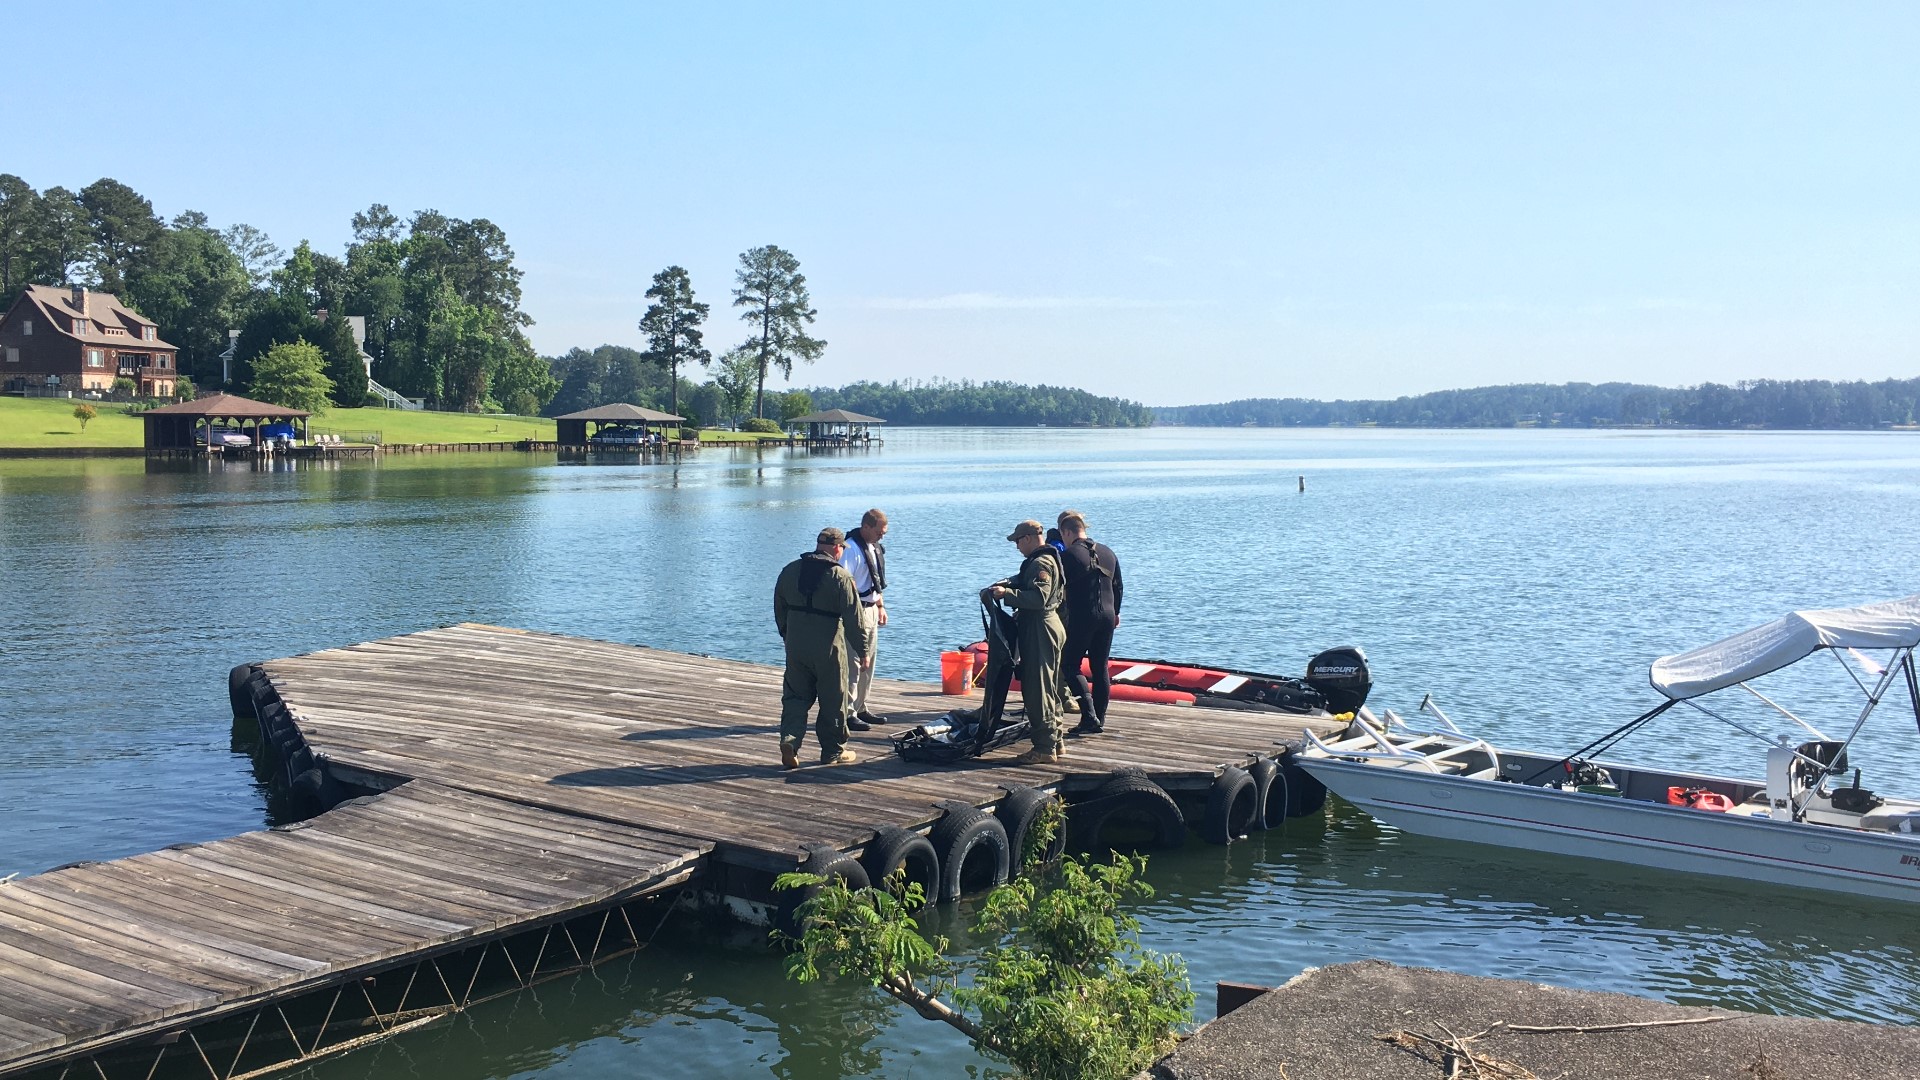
(228, 407)
(836, 416)
(622, 411)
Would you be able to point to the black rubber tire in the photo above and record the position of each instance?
(1017, 813)
(1270, 791)
(974, 855)
(893, 848)
(823, 862)
(1233, 807)
(1128, 797)
(238, 692)
(1305, 795)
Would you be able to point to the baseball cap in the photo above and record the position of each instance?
(830, 535)
(1026, 528)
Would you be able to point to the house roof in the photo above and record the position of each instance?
(622, 411)
(228, 407)
(836, 416)
(104, 312)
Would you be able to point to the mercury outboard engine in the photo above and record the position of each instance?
(1342, 678)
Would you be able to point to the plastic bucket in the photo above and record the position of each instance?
(956, 673)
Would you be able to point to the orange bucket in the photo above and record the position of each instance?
(956, 673)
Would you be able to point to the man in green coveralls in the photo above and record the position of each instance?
(1035, 593)
(817, 610)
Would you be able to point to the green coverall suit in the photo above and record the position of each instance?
(817, 611)
(1038, 590)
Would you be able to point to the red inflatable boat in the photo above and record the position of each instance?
(1331, 683)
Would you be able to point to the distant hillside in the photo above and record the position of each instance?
(988, 404)
(1764, 403)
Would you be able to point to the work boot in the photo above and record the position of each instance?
(844, 757)
(871, 718)
(854, 723)
(1037, 756)
(789, 756)
(1088, 726)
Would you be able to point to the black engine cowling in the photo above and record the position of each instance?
(1342, 677)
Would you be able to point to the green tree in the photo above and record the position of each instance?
(84, 414)
(466, 345)
(194, 286)
(672, 324)
(125, 387)
(258, 255)
(344, 368)
(123, 229)
(771, 288)
(734, 381)
(16, 216)
(184, 389)
(1064, 991)
(293, 375)
(57, 237)
(295, 278)
(795, 403)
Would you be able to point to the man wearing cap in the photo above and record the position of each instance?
(1094, 593)
(817, 611)
(1035, 594)
(865, 557)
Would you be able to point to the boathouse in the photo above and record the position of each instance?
(609, 421)
(185, 425)
(837, 425)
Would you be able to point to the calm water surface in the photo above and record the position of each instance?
(1526, 578)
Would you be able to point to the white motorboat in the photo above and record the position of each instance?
(1809, 823)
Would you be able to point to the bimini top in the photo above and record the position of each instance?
(1890, 624)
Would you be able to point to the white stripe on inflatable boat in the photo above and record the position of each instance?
(1137, 671)
(1229, 684)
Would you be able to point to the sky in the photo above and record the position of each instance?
(1175, 204)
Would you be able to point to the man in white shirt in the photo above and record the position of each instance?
(866, 559)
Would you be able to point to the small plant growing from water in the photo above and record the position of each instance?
(1063, 992)
(84, 413)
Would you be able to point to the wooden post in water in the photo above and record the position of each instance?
(1303, 484)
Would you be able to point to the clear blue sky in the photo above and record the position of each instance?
(1176, 204)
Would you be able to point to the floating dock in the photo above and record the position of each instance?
(522, 805)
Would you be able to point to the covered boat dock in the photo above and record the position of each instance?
(837, 427)
(187, 425)
(607, 427)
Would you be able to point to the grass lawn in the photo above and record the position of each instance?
(49, 422)
(403, 426)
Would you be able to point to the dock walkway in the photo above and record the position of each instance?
(524, 779)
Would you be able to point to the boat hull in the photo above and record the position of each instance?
(1753, 849)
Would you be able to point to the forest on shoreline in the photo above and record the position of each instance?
(1803, 404)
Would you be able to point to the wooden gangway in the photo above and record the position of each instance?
(522, 779)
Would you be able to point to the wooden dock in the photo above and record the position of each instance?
(530, 787)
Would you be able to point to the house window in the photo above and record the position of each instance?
(13, 356)
(26, 328)
(79, 326)
(150, 334)
(165, 362)
(95, 358)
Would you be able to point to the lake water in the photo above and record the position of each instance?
(1525, 577)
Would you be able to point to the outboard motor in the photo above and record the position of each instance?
(1341, 676)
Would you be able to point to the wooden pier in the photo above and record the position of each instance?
(533, 794)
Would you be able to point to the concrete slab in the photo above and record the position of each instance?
(1324, 1024)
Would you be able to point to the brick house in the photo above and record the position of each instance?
(67, 338)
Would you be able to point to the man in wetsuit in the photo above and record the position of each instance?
(1036, 593)
(817, 611)
(1094, 593)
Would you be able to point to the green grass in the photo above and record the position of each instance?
(48, 423)
(402, 426)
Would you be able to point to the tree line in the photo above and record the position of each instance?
(990, 404)
(1758, 403)
(440, 295)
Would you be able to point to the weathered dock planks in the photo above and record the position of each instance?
(103, 953)
(524, 778)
